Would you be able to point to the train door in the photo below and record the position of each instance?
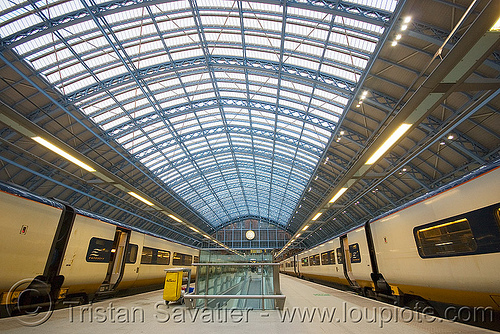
(295, 265)
(344, 246)
(117, 261)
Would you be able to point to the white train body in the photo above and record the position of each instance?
(443, 248)
(29, 226)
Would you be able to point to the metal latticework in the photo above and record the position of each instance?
(230, 110)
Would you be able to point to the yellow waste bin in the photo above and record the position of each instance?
(172, 291)
(173, 286)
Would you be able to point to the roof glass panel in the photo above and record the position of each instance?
(220, 124)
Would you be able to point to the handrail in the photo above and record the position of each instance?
(189, 296)
(260, 264)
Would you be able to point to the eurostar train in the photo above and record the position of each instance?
(442, 247)
(53, 251)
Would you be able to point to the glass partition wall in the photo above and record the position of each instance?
(237, 281)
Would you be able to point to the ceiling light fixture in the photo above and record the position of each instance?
(317, 215)
(496, 26)
(338, 194)
(175, 218)
(140, 198)
(62, 153)
(388, 143)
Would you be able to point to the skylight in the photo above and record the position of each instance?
(232, 110)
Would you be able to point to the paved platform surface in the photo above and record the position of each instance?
(309, 308)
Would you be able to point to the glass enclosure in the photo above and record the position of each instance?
(249, 281)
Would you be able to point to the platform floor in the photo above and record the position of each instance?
(146, 313)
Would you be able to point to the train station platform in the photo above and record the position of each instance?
(309, 308)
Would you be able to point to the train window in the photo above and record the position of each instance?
(99, 250)
(155, 256)
(305, 261)
(328, 257)
(177, 259)
(332, 257)
(180, 259)
(325, 258)
(196, 259)
(162, 257)
(188, 260)
(354, 253)
(314, 260)
(131, 256)
(147, 255)
(445, 239)
(340, 257)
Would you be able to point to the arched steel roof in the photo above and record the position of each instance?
(231, 104)
(227, 110)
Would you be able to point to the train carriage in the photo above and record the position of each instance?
(443, 247)
(77, 254)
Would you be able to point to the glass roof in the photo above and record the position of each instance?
(230, 103)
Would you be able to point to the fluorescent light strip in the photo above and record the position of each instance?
(140, 198)
(305, 227)
(317, 215)
(496, 26)
(175, 218)
(194, 229)
(338, 194)
(63, 154)
(388, 143)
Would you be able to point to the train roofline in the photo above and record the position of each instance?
(18, 191)
(462, 180)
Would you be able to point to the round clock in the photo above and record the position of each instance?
(250, 234)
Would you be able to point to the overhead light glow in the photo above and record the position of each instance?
(394, 43)
(388, 143)
(398, 37)
(338, 194)
(305, 227)
(62, 153)
(407, 19)
(194, 229)
(317, 215)
(496, 26)
(140, 198)
(175, 218)
(404, 27)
